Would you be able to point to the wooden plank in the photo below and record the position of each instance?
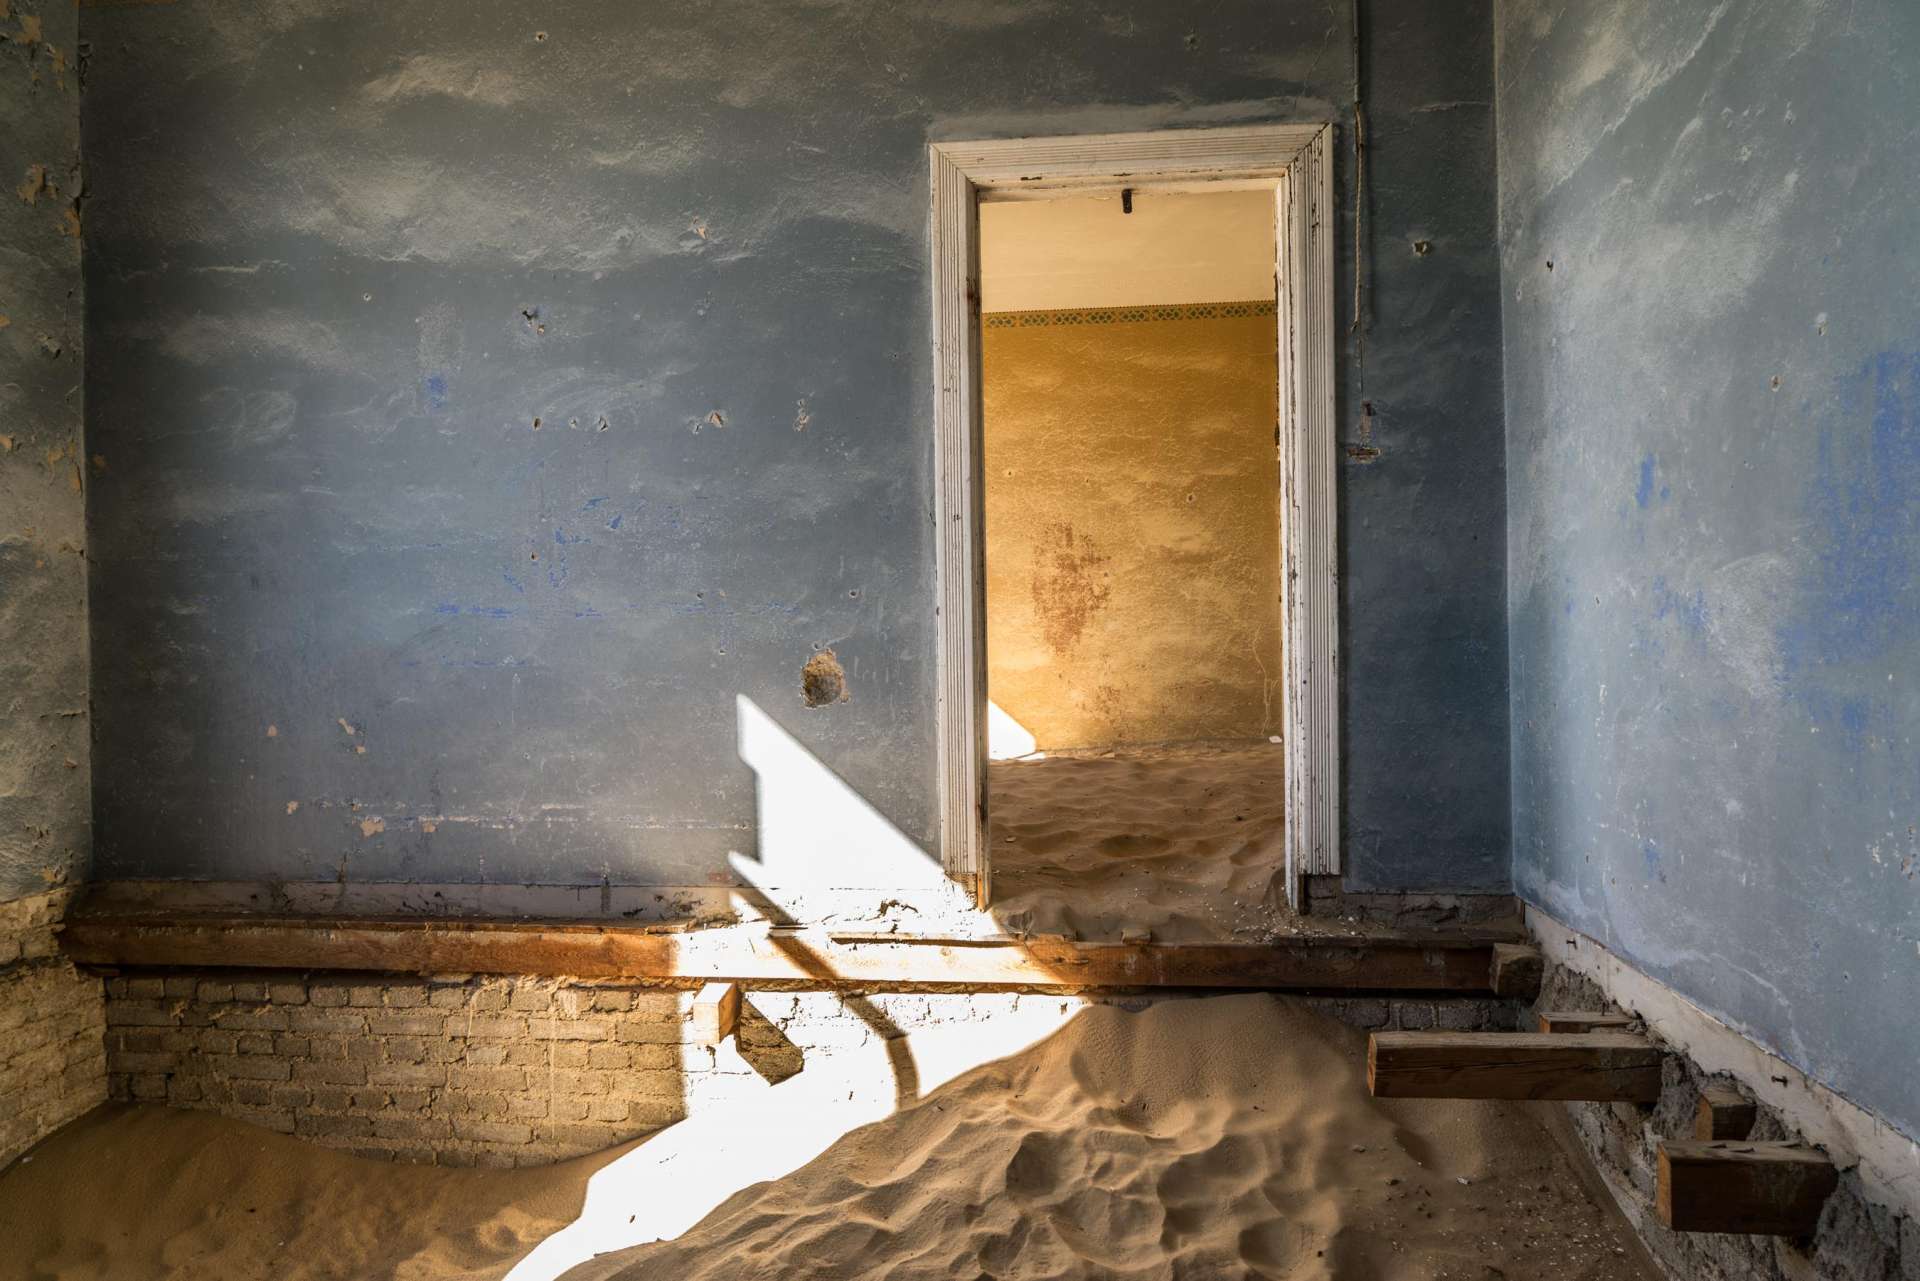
(761, 958)
(1724, 1114)
(1598, 1066)
(715, 1013)
(1559, 1021)
(1720, 1185)
(1517, 971)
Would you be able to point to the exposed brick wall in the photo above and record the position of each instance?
(1856, 1241)
(52, 1024)
(515, 1071)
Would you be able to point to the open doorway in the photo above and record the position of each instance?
(1290, 167)
(1131, 499)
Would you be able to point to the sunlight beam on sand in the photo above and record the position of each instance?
(676, 1178)
(814, 832)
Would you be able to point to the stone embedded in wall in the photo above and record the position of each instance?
(823, 681)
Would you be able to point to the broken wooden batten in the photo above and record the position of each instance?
(1724, 1113)
(715, 1013)
(1580, 1021)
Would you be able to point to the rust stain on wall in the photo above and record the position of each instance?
(1070, 585)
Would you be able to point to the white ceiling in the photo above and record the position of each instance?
(1040, 255)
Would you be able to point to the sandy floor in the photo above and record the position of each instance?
(1229, 1137)
(165, 1195)
(1183, 841)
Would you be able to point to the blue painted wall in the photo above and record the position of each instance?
(1710, 252)
(345, 257)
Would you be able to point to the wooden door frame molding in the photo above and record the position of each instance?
(1296, 161)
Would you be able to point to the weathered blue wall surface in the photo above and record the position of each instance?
(43, 583)
(490, 395)
(1710, 256)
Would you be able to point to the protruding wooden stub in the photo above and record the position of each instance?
(1579, 1021)
(1724, 1185)
(1596, 1066)
(1516, 971)
(716, 1012)
(1723, 1114)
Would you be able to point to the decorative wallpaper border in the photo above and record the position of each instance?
(1127, 315)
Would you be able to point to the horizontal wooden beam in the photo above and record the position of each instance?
(1598, 1066)
(1578, 1021)
(763, 958)
(1724, 1114)
(1722, 1185)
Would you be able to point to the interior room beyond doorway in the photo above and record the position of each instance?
(1128, 351)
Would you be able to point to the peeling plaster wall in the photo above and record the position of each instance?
(361, 619)
(43, 580)
(1708, 234)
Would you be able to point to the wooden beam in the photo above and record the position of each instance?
(772, 959)
(1719, 1185)
(1598, 1066)
(1577, 1021)
(715, 1013)
(1724, 1113)
(1516, 971)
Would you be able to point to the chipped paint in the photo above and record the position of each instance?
(45, 836)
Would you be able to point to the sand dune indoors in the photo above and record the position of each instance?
(1183, 840)
(1221, 1137)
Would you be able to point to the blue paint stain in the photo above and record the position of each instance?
(1650, 856)
(1862, 594)
(1859, 599)
(1689, 611)
(435, 387)
(474, 611)
(564, 539)
(514, 583)
(589, 612)
(1643, 493)
(614, 523)
(592, 503)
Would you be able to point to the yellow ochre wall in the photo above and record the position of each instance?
(1132, 518)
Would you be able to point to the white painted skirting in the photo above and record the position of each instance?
(1887, 1160)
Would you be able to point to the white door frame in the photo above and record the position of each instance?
(1296, 161)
